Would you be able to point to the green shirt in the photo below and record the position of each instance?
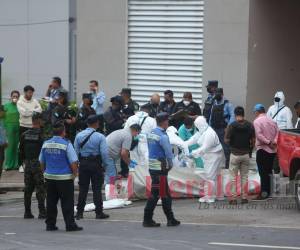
(11, 114)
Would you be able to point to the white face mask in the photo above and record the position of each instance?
(186, 103)
(14, 100)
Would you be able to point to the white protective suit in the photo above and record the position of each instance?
(284, 116)
(175, 140)
(211, 152)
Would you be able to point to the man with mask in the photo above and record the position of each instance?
(153, 105)
(222, 114)
(280, 113)
(130, 106)
(98, 97)
(297, 109)
(186, 108)
(113, 117)
(211, 90)
(85, 111)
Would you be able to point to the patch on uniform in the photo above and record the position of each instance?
(153, 137)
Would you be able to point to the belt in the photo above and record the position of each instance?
(90, 157)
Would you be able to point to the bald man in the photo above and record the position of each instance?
(153, 105)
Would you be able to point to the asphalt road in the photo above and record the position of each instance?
(204, 228)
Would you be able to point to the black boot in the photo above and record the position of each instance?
(79, 216)
(173, 223)
(151, 223)
(42, 213)
(74, 228)
(51, 228)
(28, 214)
(102, 216)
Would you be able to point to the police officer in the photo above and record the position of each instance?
(187, 107)
(85, 111)
(129, 105)
(160, 162)
(92, 150)
(30, 146)
(211, 90)
(153, 105)
(59, 161)
(113, 117)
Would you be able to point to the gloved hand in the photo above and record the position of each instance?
(132, 164)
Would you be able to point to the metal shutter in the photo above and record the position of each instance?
(165, 47)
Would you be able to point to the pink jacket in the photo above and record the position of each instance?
(266, 132)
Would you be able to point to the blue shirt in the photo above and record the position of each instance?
(228, 111)
(96, 145)
(159, 146)
(98, 102)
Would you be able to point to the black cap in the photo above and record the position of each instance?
(212, 83)
(136, 127)
(219, 91)
(92, 119)
(126, 91)
(169, 92)
(161, 117)
(86, 96)
(117, 99)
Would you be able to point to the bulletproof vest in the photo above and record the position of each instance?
(32, 143)
(83, 114)
(217, 118)
(241, 135)
(207, 109)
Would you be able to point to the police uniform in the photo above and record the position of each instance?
(92, 150)
(210, 99)
(83, 113)
(30, 146)
(56, 156)
(192, 109)
(130, 108)
(160, 162)
(153, 108)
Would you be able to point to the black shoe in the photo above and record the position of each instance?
(79, 216)
(173, 223)
(102, 216)
(261, 198)
(233, 202)
(245, 201)
(51, 228)
(151, 223)
(74, 229)
(28, 215)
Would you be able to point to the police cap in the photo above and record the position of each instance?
(212, 83)
(126, 91)
(161, 117)
(136, 127)
(86, 96)
(92, 119)
(117, 99)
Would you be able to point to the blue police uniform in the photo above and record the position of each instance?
(57, 155)
(160, 162)
(93, 154)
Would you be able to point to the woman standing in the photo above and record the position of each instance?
(12, 126)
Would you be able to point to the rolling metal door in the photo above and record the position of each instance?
(165, 47)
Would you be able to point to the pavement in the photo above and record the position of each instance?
(12, 181)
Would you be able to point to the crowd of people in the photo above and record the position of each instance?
(89, 141)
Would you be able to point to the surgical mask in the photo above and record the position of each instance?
(190, 129)
(186, 103)
(218, 97)
(15, 100)
(136, 138)
(277, 99)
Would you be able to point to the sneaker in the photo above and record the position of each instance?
(206, 200)
(173, 223)
(159, 202)
(233, 202)
(21, 169)
(245, 201)
(28, 215)
(79, 216)
(102, 216)
(151, 223)
(51, 228)
(74, 229)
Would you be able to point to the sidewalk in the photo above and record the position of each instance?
(12, 181)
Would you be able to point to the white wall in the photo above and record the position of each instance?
(34, 53)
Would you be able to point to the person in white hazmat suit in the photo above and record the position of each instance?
(283, 116)
(211, 151)
(175, 140)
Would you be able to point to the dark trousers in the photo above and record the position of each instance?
(62, 190)
(2, 149)
(90, 172)
(221, 134)
(124, 168)
(264, 162)
(101, 124)
(159, 189)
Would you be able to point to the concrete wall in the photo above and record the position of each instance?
(274, 52)
(226, 46)
(33, 53)
(101, 45)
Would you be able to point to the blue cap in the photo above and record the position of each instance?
(258, 107)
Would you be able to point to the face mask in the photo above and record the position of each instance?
(277, 99)
(15, 100)
(190, 130)
(136, 138)
(218, 97)
(186, 103)
(209, 90)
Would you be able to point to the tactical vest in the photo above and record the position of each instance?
(32, 144)
(54, 153)
(217, 118)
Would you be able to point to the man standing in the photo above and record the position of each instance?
(27, 105)
(211, 90)
(240, 136)
(266, 132)
(168, 105)
(113, 117)
(153, 105)
(91, 148)
(53, 91)
(85, 111)
(60, 163)
(186, 108)
(98, 102)
(30, 147)
(130, 106)
(297, 109)
(222, 114)
(160, 163)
